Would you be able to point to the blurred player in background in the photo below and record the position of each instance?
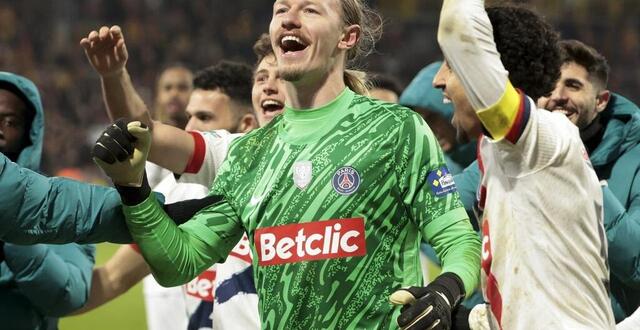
(173, 89)
(539, 249)
(384, 87)
(302, 187)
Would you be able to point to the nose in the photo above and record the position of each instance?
(558, 96)
(270, 86)
(291, 19)
(439, 80)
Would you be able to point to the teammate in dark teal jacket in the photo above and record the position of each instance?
(38, 283)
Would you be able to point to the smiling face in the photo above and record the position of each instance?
(309, 37)
(465, 120)
(210, 110)
(268, 93)
(576, 96)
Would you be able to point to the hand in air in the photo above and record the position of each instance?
(106, 51)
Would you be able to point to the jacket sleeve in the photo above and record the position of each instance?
(55, 279)
(622, 227)
(39, 209)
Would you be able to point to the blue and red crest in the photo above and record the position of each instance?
(346, 180)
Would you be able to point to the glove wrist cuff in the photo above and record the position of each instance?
(450, 285)
(134, 195)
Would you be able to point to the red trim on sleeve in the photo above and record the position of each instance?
(135, 247)
(521, 120)
(195, 163)
(481, 194)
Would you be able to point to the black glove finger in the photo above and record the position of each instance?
(122, 123)
(419, 316)
(114, 147)
(123, 138)
(99, 151)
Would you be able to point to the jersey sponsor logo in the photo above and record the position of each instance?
(302, 173)
(310, 241)
(242, 250)
(346, 180)
(202, 287)
(441, 182)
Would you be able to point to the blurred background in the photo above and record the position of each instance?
(40, 40)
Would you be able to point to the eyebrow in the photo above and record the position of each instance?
(573, 81)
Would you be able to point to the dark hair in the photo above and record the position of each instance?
(587, 57)
(232, 78)
(528, 48)
(383, 81)
(262, 48)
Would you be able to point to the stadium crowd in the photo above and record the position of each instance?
(39, 40)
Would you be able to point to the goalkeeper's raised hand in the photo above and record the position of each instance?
(121, 152)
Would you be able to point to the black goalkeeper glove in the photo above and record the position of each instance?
(121, 152)
(429, 307)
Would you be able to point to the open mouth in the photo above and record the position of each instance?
(271, 106)
(291, 44)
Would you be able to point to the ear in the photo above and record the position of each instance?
(602, 100)
(248, 122)
(350, 37)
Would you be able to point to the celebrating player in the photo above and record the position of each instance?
(334, 194)
(543, 239)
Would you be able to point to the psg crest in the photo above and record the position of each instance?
(346, 180)
(302, 172)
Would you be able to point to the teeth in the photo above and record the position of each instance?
(292, 38)
(446, 100)
(268, 103)
(562, 111)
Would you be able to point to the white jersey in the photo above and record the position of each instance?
(544, 249)
(543, 244)
(223, 296)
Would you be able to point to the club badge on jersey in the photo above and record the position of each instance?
(302, 174)
(346, 180)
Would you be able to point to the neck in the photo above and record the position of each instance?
(314, 92)
(591, 130)
(592, 134)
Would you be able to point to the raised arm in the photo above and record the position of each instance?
(465, 35)
(107, 52)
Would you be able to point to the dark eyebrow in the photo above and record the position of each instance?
(573, 81)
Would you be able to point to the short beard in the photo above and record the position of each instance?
(292, 75)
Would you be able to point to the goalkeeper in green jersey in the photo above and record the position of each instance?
(335, 194)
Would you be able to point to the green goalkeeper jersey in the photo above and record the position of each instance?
(335, 201)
